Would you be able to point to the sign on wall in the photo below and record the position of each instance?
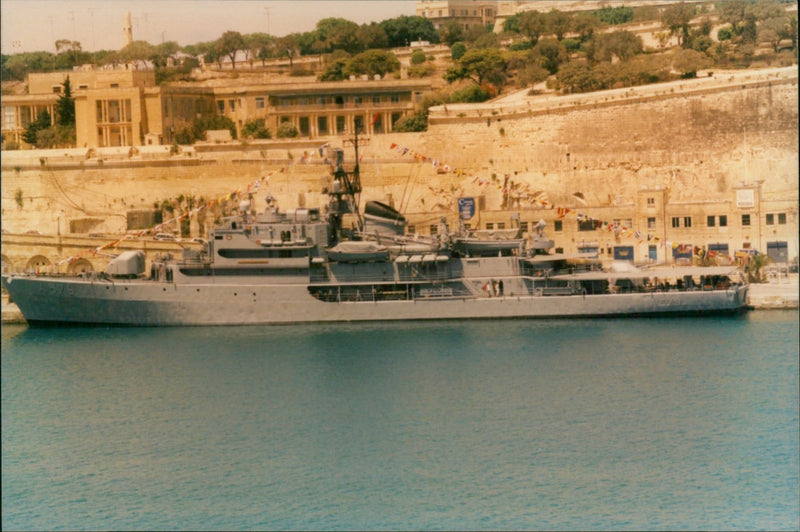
(466, 208)
(745, 198)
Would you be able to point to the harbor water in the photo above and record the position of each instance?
(659, 423)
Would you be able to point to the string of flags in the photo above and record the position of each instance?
(540, 198)
(251, 188)
(308, 157)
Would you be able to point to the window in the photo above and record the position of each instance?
(115, 85)
(501, 225)
(676, 222)
(260, 103)
(687, 221)
(357, 99)
(376, 99)
(523, 227)
(9, 117)
(587, 225)
(711, 221)
(651, 223)
(467, 226)
(434, 230)
(232, 105)
(746, 245)
(723, 220)
(221, 106)
(651, 202)
(558, 226)
(745, 219)
(782, 218)
(629, 223)
(489, 225)
(394, 98)
(770, 219)
(411, 229)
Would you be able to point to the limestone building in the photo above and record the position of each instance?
(126, 107)
(320, 109)
(466, 13)
(653, 230)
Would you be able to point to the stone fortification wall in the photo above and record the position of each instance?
(697, 147)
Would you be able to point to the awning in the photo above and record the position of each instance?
(402, 259)
(442, 258)
(429, 258)
(415, 259)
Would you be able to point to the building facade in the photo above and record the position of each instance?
(652, 229)
(319, 109)
(466, 13)
(127, 108)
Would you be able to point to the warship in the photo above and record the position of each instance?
(307, 265)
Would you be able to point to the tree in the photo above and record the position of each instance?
(754, 266)
(530, 75)
(585, 24)
(457, 51)
(400, 31)
(548, 54)
(288, 46)
(531, 24)
(335, 67)
(412, 123)
(161, 53)
(676, 19)
(481, 66)
(338, 34)
(577, 76)
(137, 52)
(287, 130)
(372, 36)
(372, 62)
(732, 12)
(614, 15)
(42, 122)
(771, 31)
(558, 23)
(688, 62)
(254, 43)
(451, 33)
(65, 106)
(256, 129)
(230, 43)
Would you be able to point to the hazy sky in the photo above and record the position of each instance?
(34, 25)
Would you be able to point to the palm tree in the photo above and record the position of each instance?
(755, 263)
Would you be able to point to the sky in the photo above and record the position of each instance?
(35, 25)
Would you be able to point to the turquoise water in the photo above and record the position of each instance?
(518, 424)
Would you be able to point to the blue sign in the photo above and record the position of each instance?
(466, 208)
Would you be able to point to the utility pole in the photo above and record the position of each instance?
(91, 16)
(266, 10)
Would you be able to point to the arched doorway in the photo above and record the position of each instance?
(8, 267)
(37, 263)
(80, 266)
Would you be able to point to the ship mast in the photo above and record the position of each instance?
(345, 195)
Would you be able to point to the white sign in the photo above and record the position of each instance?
(745, 198)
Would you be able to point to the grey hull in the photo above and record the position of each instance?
(143, 303)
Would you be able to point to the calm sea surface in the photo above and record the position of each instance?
(519, 424)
